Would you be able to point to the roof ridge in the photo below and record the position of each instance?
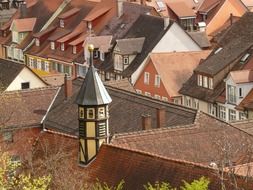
(157, 130)
(159, 156)
(181, 52)
(141, 96)
(30, 90)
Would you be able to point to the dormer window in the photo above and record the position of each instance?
(126, 60)
(15, 36)
(61, 23)
(74, 49)
(102, 56)
(62, 47)
(200, 80)
(204, 81)
(52, 45)
(4, 33)
(37, 42)
(21, 35)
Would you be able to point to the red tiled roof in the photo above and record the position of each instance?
(181, 9)
(24, 25)
(184, 142)
(242, 76)
(22, 108)
(78, 40)
(169, 67)
(69, 13)
(97, 12)
(136, 168)
(207, 5)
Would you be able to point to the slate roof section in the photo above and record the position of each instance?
(63, 115)
(152, 35)
(130, 45)
(8, 72)
(92, 91)
(207, 134)
(200, 38)
(22, 109)
(233, 43)
(103, 43)
(114, 163)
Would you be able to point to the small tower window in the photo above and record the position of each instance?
(90, 113)
(81, 112)
(101, 113)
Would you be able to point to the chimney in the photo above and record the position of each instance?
(161, 117)
(120, 7)
(146, 122)
(166, 22)
(67, 86)
(23, 10)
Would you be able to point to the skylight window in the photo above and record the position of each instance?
(245, 57)
(218, 50)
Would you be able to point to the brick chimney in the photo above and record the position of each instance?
(161, 117)
(23, 10)
(67, 86)
(146, 122)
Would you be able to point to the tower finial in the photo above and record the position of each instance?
(91, 49)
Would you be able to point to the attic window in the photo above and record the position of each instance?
(62, 46)
(218, 50)
(96, 53)
(37, 42)
(61, 23)
(4, 33)
(52, 45)
(74, 49)
(244, 58)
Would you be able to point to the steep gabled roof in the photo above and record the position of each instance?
(152, 35)
(181, 9)
(8, 72)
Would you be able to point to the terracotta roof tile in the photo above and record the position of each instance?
(181, 9)
(97, 13)
(169, 67)
(137, 168)
(247, 102)
(101, 42)
(242, 76)
(69, 13)
(22, 108)
(184, 142)
(24, 25)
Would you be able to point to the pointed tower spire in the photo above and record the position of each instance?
(93, 114)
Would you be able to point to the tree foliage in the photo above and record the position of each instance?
(12, 179)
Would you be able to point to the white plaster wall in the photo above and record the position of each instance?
(26, 76)
(177, 40)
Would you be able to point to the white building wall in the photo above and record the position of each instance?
(26, 76)
(176, 39)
